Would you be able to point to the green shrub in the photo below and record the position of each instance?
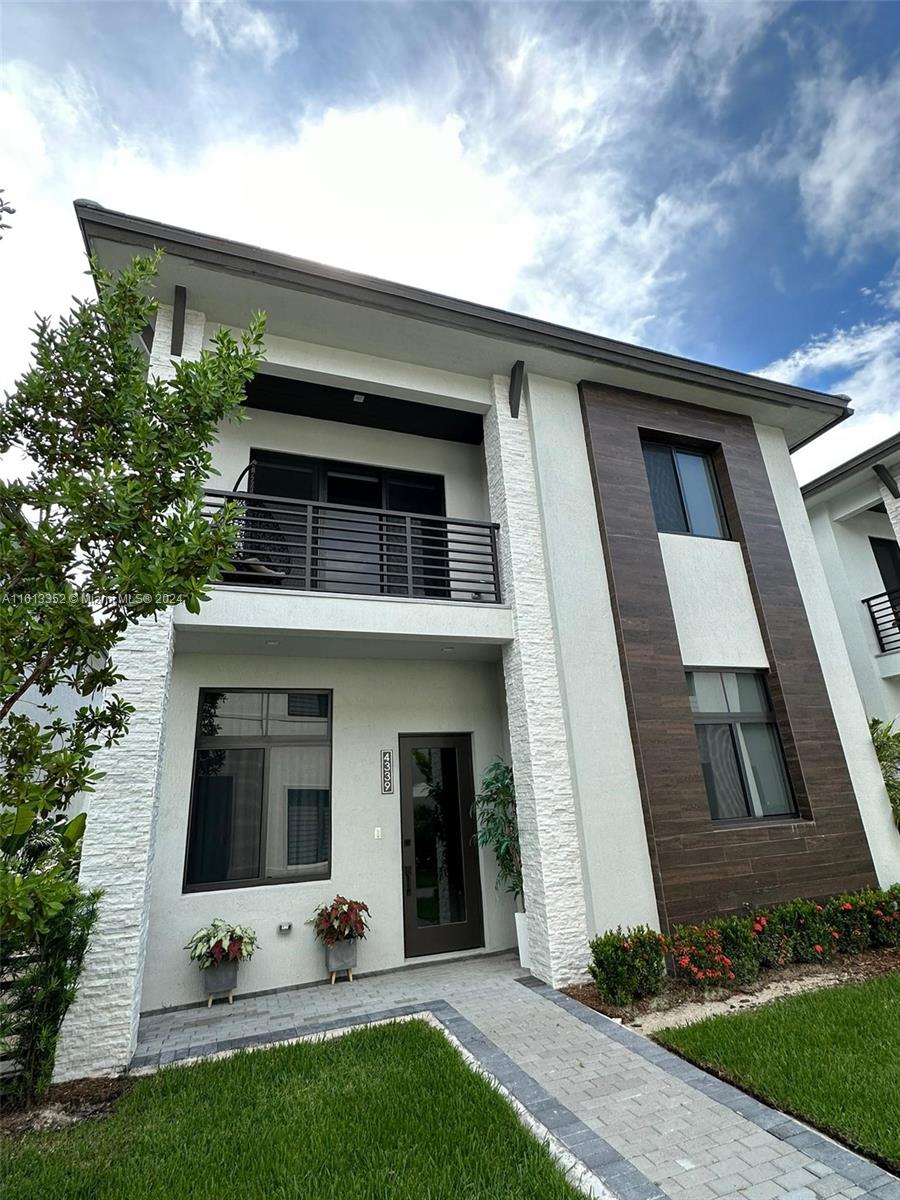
(886, 740)
(797, 931)
(628, 966)
(46, 921)
(773, 941)
(848, 921)
(727, 951)
(739, 946)
(700, 957)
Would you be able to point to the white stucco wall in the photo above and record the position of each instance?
(852, 574)
(613, 841)
(374, 701)
(884, 841)
(274, 610)
(711, 601)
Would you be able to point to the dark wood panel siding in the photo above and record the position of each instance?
(700, 866)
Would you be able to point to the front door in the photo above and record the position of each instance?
(441, 883)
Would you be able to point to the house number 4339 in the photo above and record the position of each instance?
(387, 772)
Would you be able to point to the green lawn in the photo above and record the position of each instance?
(387, 1113)
(830, 1057)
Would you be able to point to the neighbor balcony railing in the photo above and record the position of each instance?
(884, 609)
(307, 546)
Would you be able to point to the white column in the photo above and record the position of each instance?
(551, 858)
(853, 728)
(100, 1030)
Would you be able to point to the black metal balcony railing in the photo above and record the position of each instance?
(306, 546)
(884, 609)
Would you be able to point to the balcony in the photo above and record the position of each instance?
(884, 609)
(306, 546)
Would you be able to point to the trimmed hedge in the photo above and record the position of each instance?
(628, 966)
(730, 951)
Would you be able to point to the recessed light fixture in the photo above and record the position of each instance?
(271, 643)
(446, 649)
(358, 397)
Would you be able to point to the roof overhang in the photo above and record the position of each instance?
(343, 309)
(878, 465)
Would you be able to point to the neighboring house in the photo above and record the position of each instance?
(854, 512)
(467, 534)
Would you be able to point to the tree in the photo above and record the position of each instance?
(102, 527)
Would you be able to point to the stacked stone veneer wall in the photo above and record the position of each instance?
(100, 1031)
(893, 508)
(545, 800)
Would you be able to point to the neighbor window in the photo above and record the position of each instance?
(261, 798)
(684, 490)
(740, 750)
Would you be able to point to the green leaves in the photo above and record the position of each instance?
(103, 527)
(495, 811)
(887, 748)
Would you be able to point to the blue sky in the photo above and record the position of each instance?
(719, 180)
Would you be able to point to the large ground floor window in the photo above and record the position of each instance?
(261, 795)
(740, 750)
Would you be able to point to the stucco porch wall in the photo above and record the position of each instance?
(374, 701)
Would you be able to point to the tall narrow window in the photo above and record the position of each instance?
(684, 491)
(740, 750)
(261, 799)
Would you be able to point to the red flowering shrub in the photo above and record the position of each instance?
(340, 920)
(772, 940)
(739, 946)
(848, 917)
(628, 966)
(794, 932)
(700, 957)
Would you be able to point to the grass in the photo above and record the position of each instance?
(829, 1057)
(390, 1111)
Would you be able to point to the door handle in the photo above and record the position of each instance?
(407, 874)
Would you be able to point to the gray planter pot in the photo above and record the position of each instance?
(220, 978)
(341, 957)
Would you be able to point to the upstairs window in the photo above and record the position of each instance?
(740, 750)
(684, 491)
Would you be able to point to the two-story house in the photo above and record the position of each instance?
(468, 534)
(854, 512)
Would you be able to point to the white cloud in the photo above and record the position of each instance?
(236, 26)
(711, 36)
(862, 362)
(858, 347)
(388, 190)
(844, 149)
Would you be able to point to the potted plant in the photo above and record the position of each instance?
(495, 813)
(340, 925)
(218, 950)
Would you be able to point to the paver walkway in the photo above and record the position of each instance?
(645, 1123)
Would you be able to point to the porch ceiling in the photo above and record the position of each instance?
(310, 645)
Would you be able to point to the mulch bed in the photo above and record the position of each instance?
(843, 968)
(66, 1104)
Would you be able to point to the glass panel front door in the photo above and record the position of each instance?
(441, 884)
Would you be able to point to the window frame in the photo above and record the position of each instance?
(264, 743)
(766, 717)
(674, 448)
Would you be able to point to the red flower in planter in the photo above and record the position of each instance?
(846, 906)
(817, 948)
(835, 934)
